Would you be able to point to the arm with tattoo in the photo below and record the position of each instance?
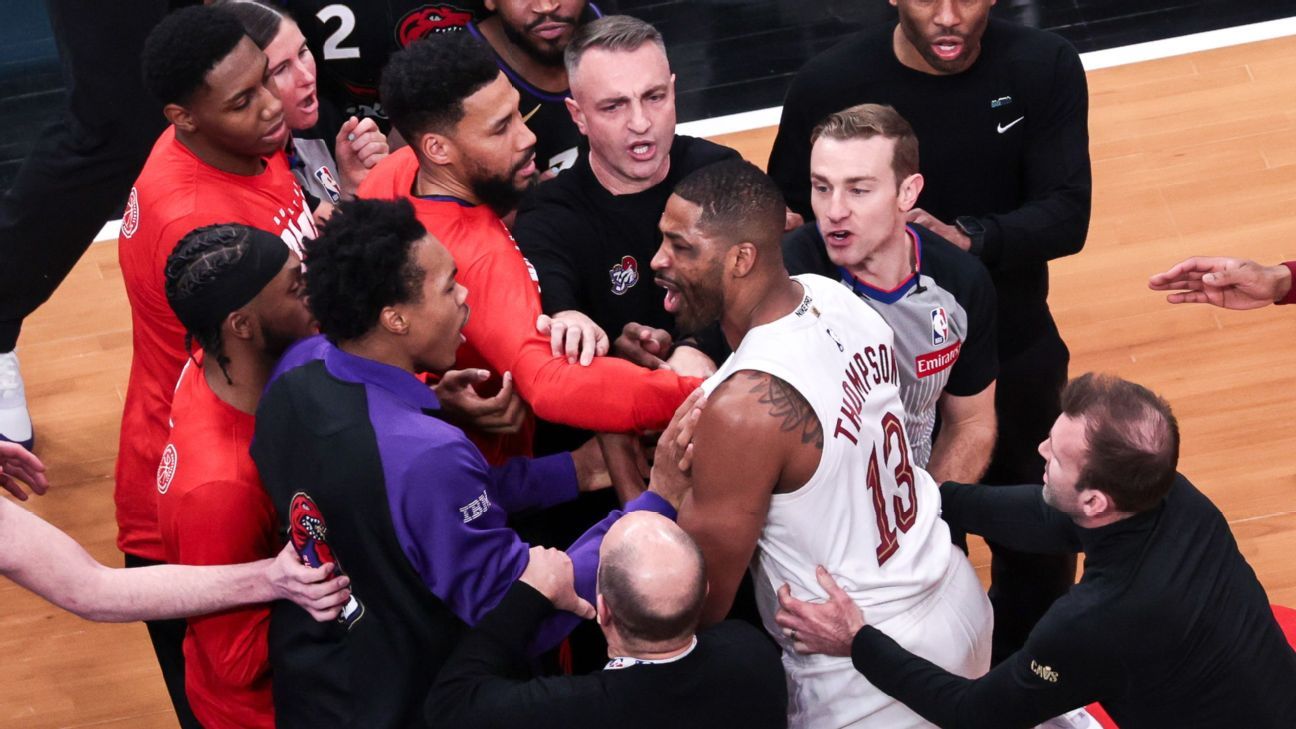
(734, 479)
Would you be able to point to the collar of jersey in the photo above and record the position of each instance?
(402, 384)
(447, 198)
(883, 295)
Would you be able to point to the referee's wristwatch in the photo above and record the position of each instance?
(974, 230)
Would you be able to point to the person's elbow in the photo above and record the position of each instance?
(96, 598)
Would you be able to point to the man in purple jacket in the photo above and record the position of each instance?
(352, 449)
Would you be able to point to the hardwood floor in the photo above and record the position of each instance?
(1193, 154)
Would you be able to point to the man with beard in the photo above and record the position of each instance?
(221, 160)
(590, 232)
(1168, 627)
(238, 292)
(529, 37)
(1002, 112)
(470, 159)
(814, 383)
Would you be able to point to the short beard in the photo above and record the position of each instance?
(498, 192)
(550, 55)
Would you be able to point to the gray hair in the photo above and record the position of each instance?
(611, 33)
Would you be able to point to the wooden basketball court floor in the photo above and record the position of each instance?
(1192, 154)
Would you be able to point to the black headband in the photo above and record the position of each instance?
(236, 286)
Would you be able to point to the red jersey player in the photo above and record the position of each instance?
(219, 161)
(238, 292)
(470, 158)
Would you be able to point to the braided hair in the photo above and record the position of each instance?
(199, 260)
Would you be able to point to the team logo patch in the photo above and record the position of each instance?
(130, 220)
(624, 275)
(166, 468)
(430, 19)
(309, 534)
(939, 326)
(931, 363)
(330, 185)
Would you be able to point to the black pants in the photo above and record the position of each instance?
(1022, 585)
(168, 644)
(79, 172)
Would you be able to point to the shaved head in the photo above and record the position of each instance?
(652, 578)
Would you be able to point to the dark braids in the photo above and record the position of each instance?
(199, 260)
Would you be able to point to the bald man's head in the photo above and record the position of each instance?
(652, 579)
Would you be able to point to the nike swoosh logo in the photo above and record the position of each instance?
(1005, 127)
(527, 117)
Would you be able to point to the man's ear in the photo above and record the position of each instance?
(391, 319)
(741, 259)
(910, 188)
(241, 325)
(1095, 503)
(181, 118)
(601, 612)
(437, 148)
(577, 115)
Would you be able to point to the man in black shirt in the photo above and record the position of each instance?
(1168, 627)
(529, 47)
(1002, 114)
(663, 673)
(591, 233)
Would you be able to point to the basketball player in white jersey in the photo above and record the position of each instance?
(800, 457)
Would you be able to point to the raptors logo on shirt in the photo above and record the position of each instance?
(624, 275)
(430, 19)
(309, 534)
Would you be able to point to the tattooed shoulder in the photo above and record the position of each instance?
(789, 407)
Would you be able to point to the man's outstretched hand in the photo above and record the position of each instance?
(18, 466)
(1229, 283)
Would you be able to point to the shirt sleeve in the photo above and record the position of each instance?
(1054, 219)
(1290, 298)
(219, 523)
(486, 682)
(1060, 668)
(978, 362)
(534, 483)
(1014, 516)
(458, 539)
(610, 395)
(550, 253)
(789, 161)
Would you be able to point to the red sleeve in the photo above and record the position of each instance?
(225, 522)
(1290, 298)
(610, 395)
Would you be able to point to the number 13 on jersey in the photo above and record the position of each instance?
(903, 504)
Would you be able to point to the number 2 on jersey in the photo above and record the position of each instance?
(906, 510)
(333, 48)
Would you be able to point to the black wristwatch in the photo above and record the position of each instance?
(974, 230)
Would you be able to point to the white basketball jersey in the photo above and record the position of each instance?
(868, 514)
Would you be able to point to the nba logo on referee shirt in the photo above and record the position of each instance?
(939, 326)
(330, 185)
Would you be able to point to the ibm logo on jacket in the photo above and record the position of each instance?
(475, 508)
